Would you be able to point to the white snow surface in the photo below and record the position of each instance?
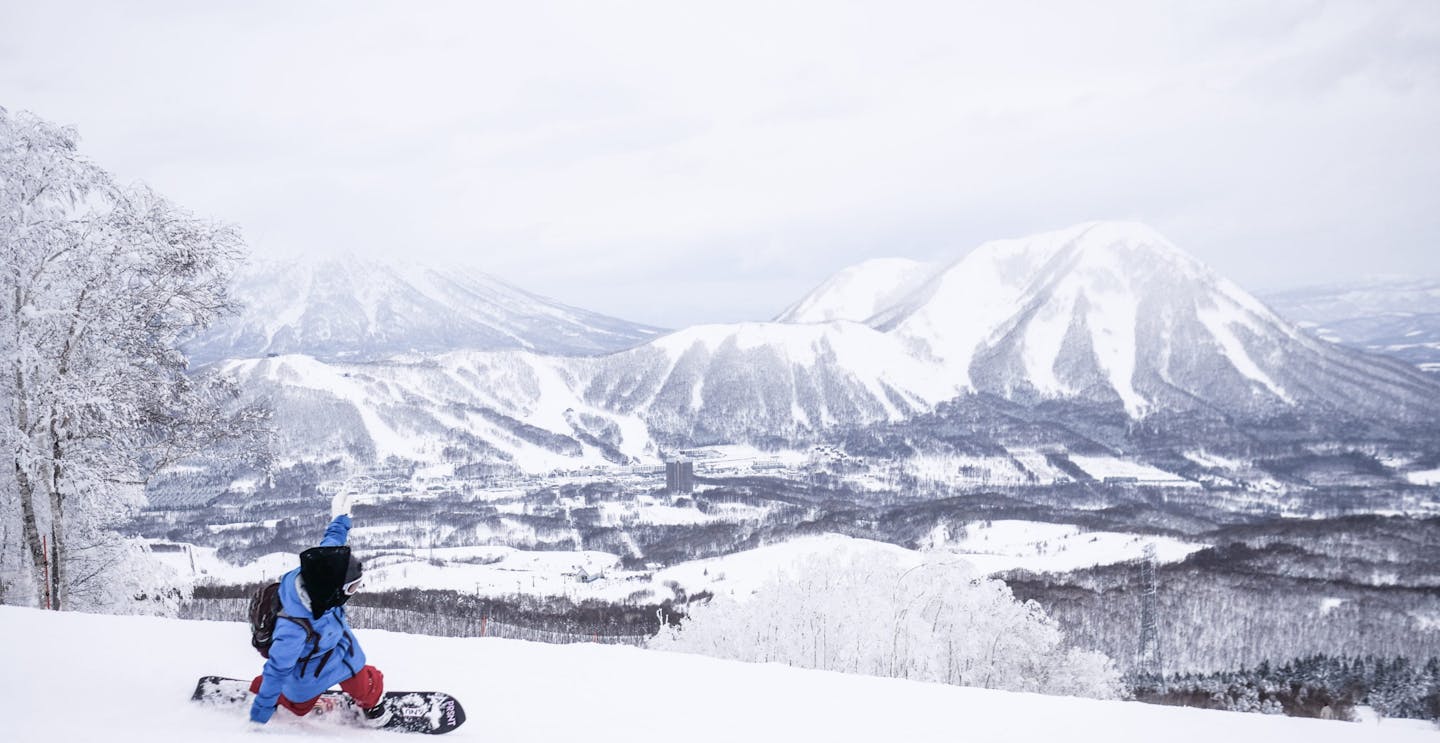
(1032, 295)
(1036, 464)
(879, 361)
(534, 389)
(742, 573)
(1424, 477)
(519, 692)
(1101, 467)
(1219, 326)
(1039, 547)
(966, 304)
(989, 549)
(1049, 280)
(859, 292)
(503, 571)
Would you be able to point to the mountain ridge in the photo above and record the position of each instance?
(1105, 316)
(1396, 317)
(858, 292)
(359, 310)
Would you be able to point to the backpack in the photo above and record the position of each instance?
(265, 614)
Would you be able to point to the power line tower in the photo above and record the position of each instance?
(1151, 662)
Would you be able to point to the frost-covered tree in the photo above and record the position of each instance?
(869, 614)
(99, 283)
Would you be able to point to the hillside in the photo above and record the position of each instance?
(858, 292)
(716, 383)
(514, 407)
(517, 692)
(358, 310)
(1103, 319)
(1114, 313)
(1397, 317)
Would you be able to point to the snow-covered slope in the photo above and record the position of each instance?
(858, 292)
(1364, 298)
(1113, 312)
(141, 671)
(755, 380)
(1396, 317)
(989, 547)
(1107, 313)
(363, 310)
(512, 407)
(500, 572)
(716, 383)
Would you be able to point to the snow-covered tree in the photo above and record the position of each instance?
(869, 614)
(100, 283)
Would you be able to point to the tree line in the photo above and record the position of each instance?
(1320, 685)
(552, 619)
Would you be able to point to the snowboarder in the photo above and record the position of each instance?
(313, 647)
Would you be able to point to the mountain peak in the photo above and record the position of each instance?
(1119, 232)
(858, 292)
(1120, 245)
(362, 309)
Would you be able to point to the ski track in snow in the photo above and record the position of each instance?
(522, 692)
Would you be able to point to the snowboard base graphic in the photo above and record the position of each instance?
(429, 712)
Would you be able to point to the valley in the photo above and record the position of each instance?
(1058, 411)
(1067, 529)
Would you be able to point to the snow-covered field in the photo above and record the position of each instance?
(77, 677)
(1102, 468)
(490, 571)
(1425, 477)
(1039, 547)
(990, 547)
(1036, 463)
(741, 573)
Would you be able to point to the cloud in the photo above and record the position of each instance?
(587, 151)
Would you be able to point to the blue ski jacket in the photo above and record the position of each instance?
(304, 663)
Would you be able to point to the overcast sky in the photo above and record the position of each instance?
(672, 163)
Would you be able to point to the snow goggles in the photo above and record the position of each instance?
(353, 587)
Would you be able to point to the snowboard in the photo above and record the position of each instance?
(428, 712)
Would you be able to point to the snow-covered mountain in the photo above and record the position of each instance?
(858, 292)
(1114, 312)
(747, 382)
(1364, 298)
(511, 690)
(766, 380)
(360, 310)
(513, 408)
(1397, 317)
(1108, 314)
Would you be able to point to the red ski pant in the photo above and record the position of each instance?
(365, 687)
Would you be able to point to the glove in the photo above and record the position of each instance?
(340, 505)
